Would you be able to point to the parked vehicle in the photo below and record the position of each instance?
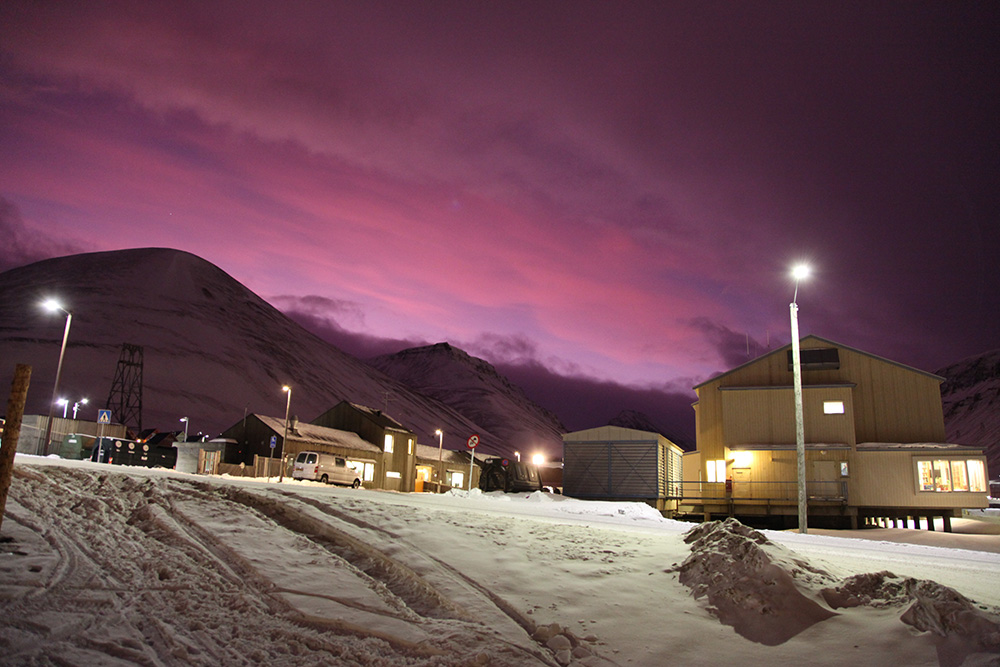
(502, 474)
(326, 468)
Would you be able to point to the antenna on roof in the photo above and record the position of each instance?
(387, 394)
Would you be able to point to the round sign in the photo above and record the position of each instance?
(472, 442)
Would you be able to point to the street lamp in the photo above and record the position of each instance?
(64, 402)
(440, 434)
(799, 272)
(52, 306)
(185, 420)
(284, 438)
(76, 406)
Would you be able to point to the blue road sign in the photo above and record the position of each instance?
(274, 441)
(104, 416)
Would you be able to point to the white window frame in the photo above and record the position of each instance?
(944, 471)
(716, 471)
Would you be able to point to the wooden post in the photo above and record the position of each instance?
(12, 430)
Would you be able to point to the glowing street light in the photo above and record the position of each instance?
(799, 272)
(538, 459)
(64, 402)
(440, 434)
(185, 420)
(52, 306)
(288, 405)
(76, 406)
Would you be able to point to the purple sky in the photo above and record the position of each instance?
(599, 190)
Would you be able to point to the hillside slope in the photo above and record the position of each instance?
(212, 348)
(971, 400)
(474, 388)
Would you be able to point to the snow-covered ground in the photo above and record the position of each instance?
(103, 565)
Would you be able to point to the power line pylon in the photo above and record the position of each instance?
(125, 398)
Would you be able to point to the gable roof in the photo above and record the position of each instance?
(320, 435)
(833, 343)
(379, 417)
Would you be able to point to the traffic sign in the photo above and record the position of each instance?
(274, 441)
(472, 442)
(104, 416)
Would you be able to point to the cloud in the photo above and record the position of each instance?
(582, 402)
(23, 245)
(317, 315)
(733, 347)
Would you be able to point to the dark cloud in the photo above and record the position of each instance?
(22, 245)
(734, 347)
(504, 349)
(318, 321)
(582, 402)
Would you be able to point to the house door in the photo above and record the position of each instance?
(826, 479)
(742, 484)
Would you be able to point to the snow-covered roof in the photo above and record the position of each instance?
(788, 446)
(381, 418)
(917, 446)
(320, 435)
(429, 453)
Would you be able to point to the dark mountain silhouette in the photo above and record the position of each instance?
(971, 399)
(474, 388)
(213, 349)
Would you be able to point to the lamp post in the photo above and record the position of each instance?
(64, 402)
(798, 273)
(185, 420)
(284, 438)
(76, 406)
(52, 306)
(440, 434)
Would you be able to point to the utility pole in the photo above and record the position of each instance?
(12, 430)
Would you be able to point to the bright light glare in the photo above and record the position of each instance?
(51, 305)
(538, 459)
(742, 459)
(62, 401)
(438, 432)
(800, 271)
(286, 388)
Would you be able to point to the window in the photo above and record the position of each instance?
(393, 474)
(366, 469)
(843, 469)
(409, 445)
(817, 359)
(833, 407)
(457, 478)
(946, 475)
(388, 443)
(716, 471)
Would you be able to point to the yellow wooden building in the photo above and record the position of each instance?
(874, 434)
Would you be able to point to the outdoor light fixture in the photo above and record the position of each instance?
(538, 459)
(185, 420)
(64, 402)
(76, 406)
(52, 306)
(288, 404)
(799, 272)
(440, 434)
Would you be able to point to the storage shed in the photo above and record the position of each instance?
(616, 463)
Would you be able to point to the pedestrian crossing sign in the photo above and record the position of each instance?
(104, 416)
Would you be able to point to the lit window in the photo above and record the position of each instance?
(843, 469)
(717, 471)
(388, 443)
(977, 476)
(833, 407)
(457, 479)
(946, 475)
(409, 445)
(393, 474)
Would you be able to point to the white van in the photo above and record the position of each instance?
(326, 468)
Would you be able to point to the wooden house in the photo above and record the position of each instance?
(874, 439)
(398, 444)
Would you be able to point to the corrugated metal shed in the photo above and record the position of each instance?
(613, 462)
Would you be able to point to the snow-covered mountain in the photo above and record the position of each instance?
(474, 388)
(971, 399)
(212, 348)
